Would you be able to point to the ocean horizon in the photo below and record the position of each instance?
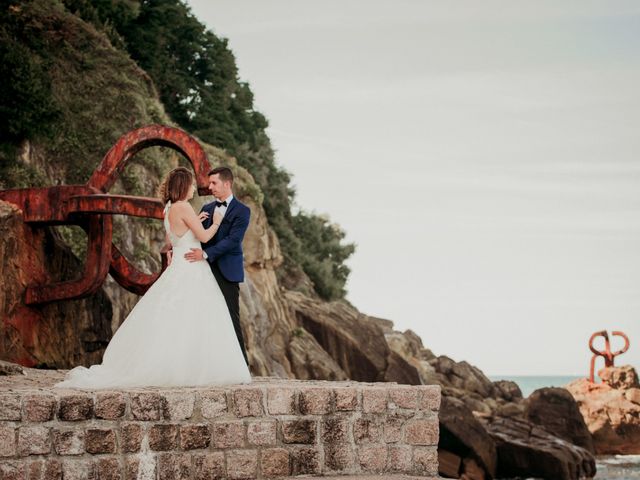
(529, 383)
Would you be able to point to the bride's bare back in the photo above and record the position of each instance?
(183, 218)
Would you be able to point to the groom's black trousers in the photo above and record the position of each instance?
(231, 293)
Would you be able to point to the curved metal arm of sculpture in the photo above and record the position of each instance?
(92, 208)
(626, 343)
(608, 355)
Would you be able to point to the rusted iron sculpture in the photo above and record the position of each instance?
(608, 355)
(91, 207)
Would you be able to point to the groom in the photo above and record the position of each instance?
(224, 250)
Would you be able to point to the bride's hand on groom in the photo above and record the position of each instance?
(203, 216)
(194, 255)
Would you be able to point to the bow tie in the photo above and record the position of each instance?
(221, 204)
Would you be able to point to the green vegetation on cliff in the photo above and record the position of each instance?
(195, 75)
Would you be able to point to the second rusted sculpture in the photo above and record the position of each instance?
(608, 355)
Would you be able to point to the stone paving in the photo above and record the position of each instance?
(271, 428)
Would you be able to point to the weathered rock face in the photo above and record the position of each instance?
(356, 342)
(620, 378)
(526, 450)
(611, 414)
(463, 435)
(557, 412)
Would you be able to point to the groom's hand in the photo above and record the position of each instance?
(195, 255)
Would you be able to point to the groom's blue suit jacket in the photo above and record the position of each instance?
(225, 248)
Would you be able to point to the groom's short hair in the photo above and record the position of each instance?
(225, 174)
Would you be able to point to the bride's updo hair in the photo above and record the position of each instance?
(175, 185)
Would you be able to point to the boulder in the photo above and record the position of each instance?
(526, 450)
(620, 378)
(463, 376)
(557, 412)
(612, 415)
(508, 390)
(8, 368)
(309, 361)
(400, 371)
(463, 435)
(355, 343)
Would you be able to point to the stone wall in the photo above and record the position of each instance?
(271, 428)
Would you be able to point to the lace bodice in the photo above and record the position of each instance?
(186, 241)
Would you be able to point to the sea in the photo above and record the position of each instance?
(609, 467)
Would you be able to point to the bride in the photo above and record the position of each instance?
(180, 332)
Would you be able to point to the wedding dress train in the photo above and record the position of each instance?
(179, 333)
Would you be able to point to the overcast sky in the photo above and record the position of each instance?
(483, 156)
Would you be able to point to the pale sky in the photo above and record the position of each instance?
(483, 156)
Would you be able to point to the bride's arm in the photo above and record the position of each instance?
(194, 223)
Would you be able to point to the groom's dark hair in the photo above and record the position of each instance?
(225, 174)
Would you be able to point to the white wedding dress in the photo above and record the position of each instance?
(179, 333)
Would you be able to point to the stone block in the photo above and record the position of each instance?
(392, 427)
(100, 440)
(194, 436)
(174, 466)
(422, 432)
(107, 468)
(274, 462)
(110, 405)
(213, 403)
(209, 466)
(78, 469)
(372, 458)
(304, 461)
(38, 408)
(281, 401)
(68, 441)
(242, 464)
(163, 437)
(228, 434)
(374, 400)
(399, 459)
(335, 429)
(34, 440)
(339, 457)
(131, 437)
(248, 402)
(46, 469)
(346, 399)
(403, 397)
(316, 401)
(34, 470)
(178, 405)
(12, 470)
(425, 460)
(7, 441)
(146, 406)
(261, 432)
(429, 397)
(52, 469)
(367, 430)
(140, 467)
(299, 430)
(10, 406)
(73, 408)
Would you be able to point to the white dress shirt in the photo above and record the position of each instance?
(223, 210)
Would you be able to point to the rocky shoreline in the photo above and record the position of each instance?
(611, 410)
